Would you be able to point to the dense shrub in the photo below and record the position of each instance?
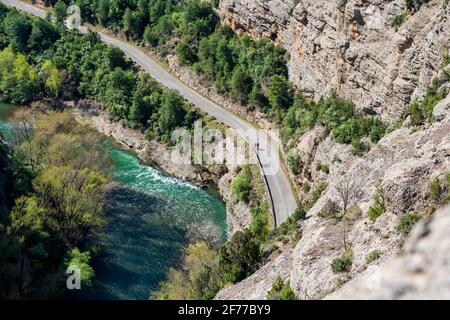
(440, 191)
(420, 112)
(260, 226)
(290, 226)
(445, 60)
(281, 290)
(398, 20)
(323, 167)
(343, 263)
(435, 189)
(330, 210)
(359, 147)
(240, 257)
(241, 185)
(372, 256)
(378, 206)
(81, 260)
(407, 222)
(321, 187)
(200, 277)
(336, 115)
(294, 161)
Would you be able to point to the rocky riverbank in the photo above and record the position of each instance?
(160, 155)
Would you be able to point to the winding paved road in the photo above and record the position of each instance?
(276, 180)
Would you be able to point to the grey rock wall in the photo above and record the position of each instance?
(351, 46)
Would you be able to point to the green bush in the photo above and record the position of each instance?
(447, 178)
(260, 221)
(306, 187)
(335, 114)
(323, 167)
(290, 225)
(407, 222)
(281, 290)
(378, 206)
(299, 213)
(242, 185)
(240, 257)
(343, 263)
(445, 60)
(372, 256)
(398, 20)
(337, 159)
(81, 260)
(440, 192)
(185, 53)
(421, 112)
(359, 148)
(435, 189)
(294, 161)
(330, 210)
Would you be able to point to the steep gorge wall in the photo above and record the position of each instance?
(351, 46)
(404, 161)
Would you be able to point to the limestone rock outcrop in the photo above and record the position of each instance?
(404, 162)
(423, 272)
(352, 46)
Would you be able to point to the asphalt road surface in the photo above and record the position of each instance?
(277, 183)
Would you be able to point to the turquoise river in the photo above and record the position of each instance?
(147, 213)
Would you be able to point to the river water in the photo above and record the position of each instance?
(147, 217)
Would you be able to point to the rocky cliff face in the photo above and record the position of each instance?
(351, 46)
(421, 273)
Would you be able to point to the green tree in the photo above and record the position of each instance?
(241, 85)
(60, 11)
(378, 207)
(240, 257)
(260, 221)
(170, 115)
(281, 290)
(116, 58)
(128, 22)
(242, 185)
(80, 260)
(343, 263)
(72, 202)
(17, 29)
(102, 12)
(185, 53)
(43, 35)
(52, 78)
(146, 100)
(199, 278)
(17, 77)
(279, 93)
